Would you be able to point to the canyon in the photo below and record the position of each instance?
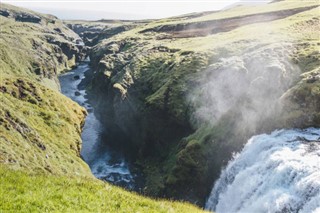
(163, 104)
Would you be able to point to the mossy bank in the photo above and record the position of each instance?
(40, 165)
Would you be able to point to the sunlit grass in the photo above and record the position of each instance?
(22, 191)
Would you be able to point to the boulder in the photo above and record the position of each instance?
(24, 17)
(4, 13)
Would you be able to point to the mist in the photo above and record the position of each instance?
(249, 86)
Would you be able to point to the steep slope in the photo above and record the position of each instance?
(189, 91)
(40, 165)
(40, 128)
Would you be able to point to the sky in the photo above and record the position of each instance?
(121, 9)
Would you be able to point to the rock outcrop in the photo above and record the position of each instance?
(40, 165)
(45, 46)
(40, 128)
(93, 32)
(189, 102)
(24, 17)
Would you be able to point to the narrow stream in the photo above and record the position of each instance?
(105, 162)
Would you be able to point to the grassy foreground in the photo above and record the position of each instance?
(40, 165)
(22, 191)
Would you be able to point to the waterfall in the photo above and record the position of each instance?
(279, 172)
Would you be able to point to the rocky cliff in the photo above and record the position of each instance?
(36, 120)
(190, 90)
(40, 165)
(93, 31)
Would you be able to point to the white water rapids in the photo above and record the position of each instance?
(279, 172)
(105, 163)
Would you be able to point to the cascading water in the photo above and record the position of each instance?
(105, 163)
(279, 172)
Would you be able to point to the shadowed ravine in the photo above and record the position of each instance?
(106, 162)
(154, 120)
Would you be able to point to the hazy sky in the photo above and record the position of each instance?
(122, 9)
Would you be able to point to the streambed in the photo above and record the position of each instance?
(105, 162)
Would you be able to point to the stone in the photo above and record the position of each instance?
(311, 80)
(24, 17)
(4, 13)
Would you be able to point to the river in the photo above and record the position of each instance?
(105, 162)
(279, 172)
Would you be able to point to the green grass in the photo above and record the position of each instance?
(22, 191)
(39, 128)
(162, 72)
(245, 10)
(40, 165)
(25, 49)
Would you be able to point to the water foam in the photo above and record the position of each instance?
(279, 172)
(105, 163)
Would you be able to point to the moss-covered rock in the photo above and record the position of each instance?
(301, 102)
(44, 48)
(40, 164)
(188, 100)
(40, 128)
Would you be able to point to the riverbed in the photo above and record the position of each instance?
(105, 162)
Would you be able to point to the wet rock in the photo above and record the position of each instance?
(76, 77)
(77, 93)
(79, 42)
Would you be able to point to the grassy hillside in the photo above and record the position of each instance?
(190, 90)
(40, 165)
(22, 191)
(40, 128)
(42, 43)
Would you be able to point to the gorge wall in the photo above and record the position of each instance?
(35, 119)
(188, 99)
(188, 96)
(41, 168)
